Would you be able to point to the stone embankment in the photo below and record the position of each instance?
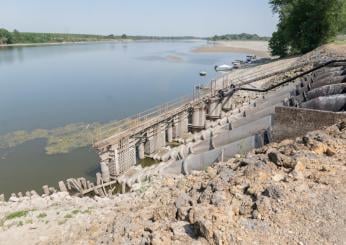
(288, 192)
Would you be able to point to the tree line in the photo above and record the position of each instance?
(15, 37)
(306, 24)
(7, 37)
(242, 36)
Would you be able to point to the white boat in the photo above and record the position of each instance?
(223, 68)
(203, 73)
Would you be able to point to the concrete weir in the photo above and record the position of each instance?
(194, 133)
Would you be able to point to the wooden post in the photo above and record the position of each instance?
(105, 172)
(123, 187)
(98, 178)
(62, 186)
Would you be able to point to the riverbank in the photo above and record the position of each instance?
(259, 48)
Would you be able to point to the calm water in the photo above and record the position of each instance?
(48, 87)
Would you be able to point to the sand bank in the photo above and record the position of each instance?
(259, 48)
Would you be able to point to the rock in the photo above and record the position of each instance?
(13, 199)
(178, 228)
(183, 200)
(274, 157)
(204, 228)
(298, 171)
(218, 198)
(226, 173)
(272, 192)
(330, 152)
(212, 172)
(278, 177)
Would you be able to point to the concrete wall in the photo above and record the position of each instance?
(292, 122)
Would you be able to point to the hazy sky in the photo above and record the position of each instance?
(142, 17)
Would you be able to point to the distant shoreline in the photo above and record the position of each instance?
(259, 48)
(61, 43)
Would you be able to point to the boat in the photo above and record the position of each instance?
(250, 58)
(236, 64)
(223, 68)
(203, 73)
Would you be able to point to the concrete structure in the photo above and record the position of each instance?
(210, 122)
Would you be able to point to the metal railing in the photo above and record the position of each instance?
(116, 128)
(143, 119)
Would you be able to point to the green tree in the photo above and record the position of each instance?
(16, 36)
(5, 36)
(305, 24)
(124, 36)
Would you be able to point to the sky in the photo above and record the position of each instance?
(201, 18)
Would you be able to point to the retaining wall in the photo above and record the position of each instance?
(292, 122)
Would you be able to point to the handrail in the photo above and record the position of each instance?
(290, 79)
(117, 128)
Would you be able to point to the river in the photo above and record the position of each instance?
(51, 86)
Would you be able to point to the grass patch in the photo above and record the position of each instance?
(68, 216)
(76, 211)
(41, 215)
(16, 215)
(87, 211)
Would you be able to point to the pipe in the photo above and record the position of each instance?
(326, 90)
(333, 103)
(290, 79)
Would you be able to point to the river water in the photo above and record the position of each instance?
(51, 86)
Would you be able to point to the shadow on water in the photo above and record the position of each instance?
(28, 167)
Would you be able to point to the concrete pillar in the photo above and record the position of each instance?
(62, 186)
(105, 172)
(183, 126)
(169, 132)
(2, 198)
(227, 104)
(214, 108)
(160, 136)
(149, 147)
(198, 117)
(140, 149)
(98, 178)
(113, 160)
(176, 127)
(45, 189)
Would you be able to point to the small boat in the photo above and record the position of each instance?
(236, 64)
(203, 73)
(250, 58)
(223, 68)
